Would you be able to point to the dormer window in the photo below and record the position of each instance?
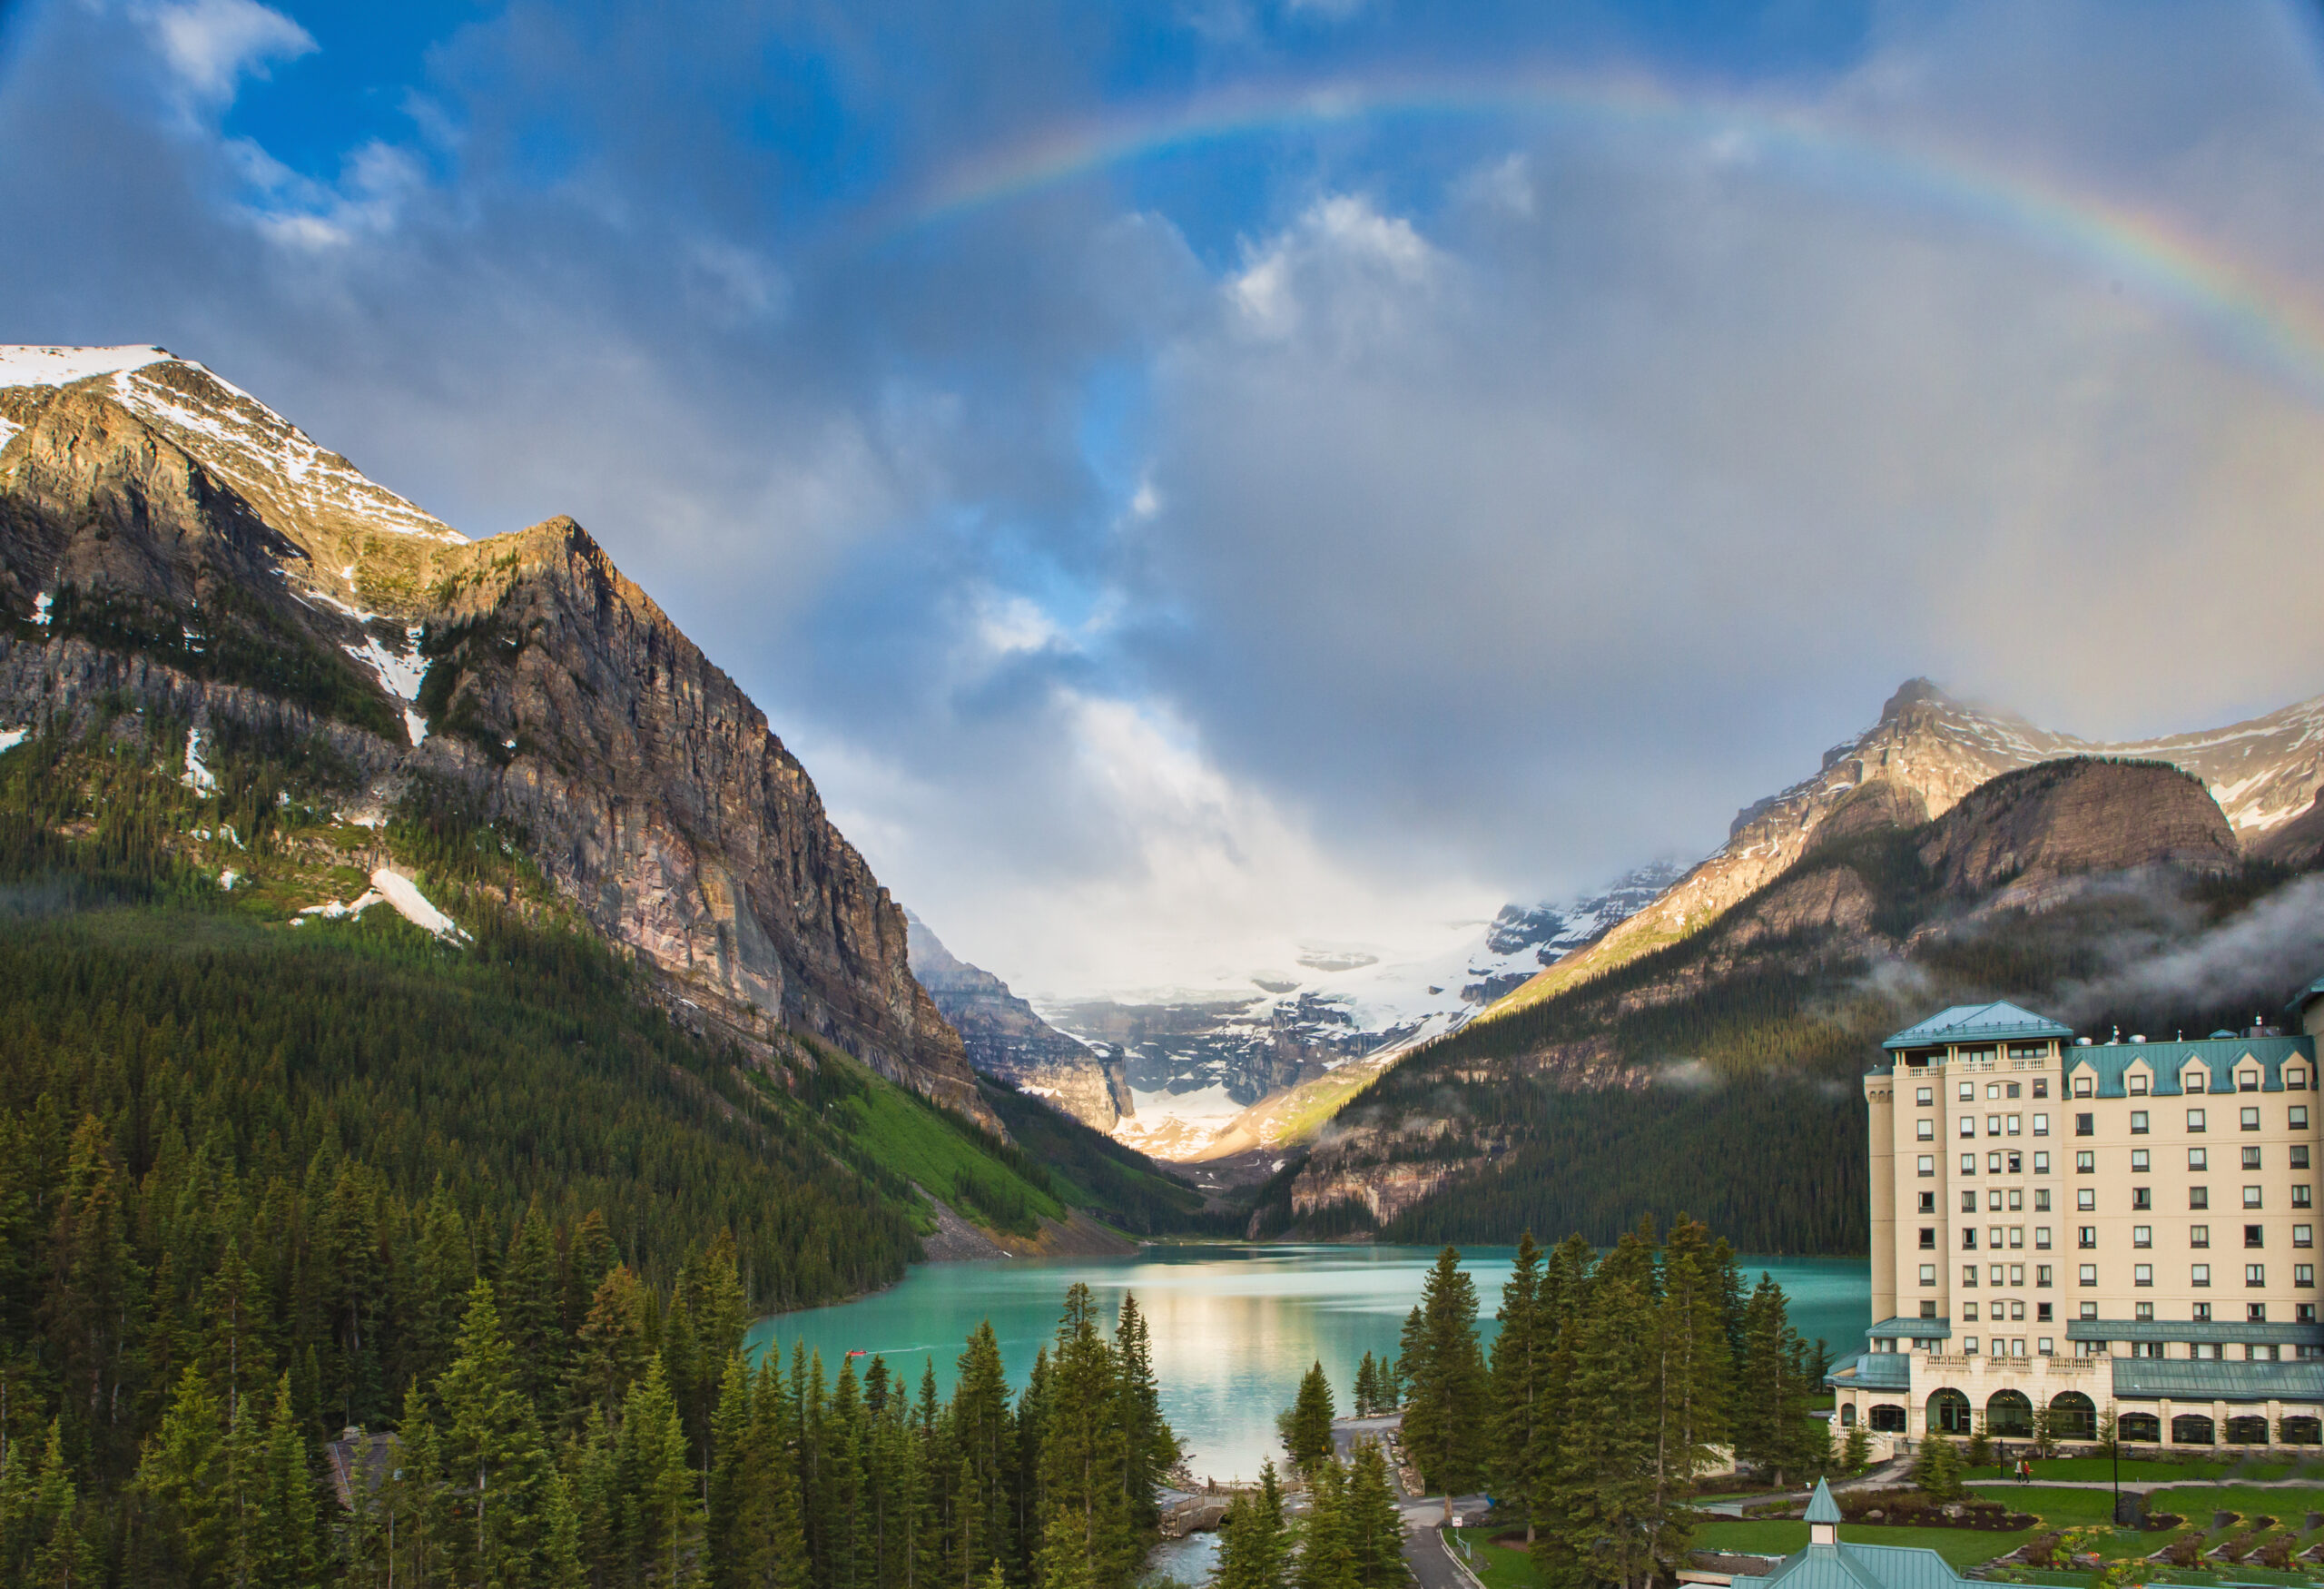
(2247, 1082)
(2192, 1082)
(2081, 1086)
(2137, 1085)
(2295, 1078)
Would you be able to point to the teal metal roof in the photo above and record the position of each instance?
(1862, 1566)
(1978, 1023)
(2307, 996)
(1919, 1329)
(2152, 1379)
(2219, 1057)
(2172, 1329)
(1821, 1507)
(1873, 1371)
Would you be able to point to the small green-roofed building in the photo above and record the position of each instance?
(1827, 1563)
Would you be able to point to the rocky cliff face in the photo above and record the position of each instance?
(1925, 755)
(1005, 1038)
(166, 536)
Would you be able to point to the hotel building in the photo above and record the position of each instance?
(2086, 1225)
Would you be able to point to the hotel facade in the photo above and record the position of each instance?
(2086, 1227)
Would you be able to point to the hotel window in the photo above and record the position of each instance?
(1992, 1237)
(2303, 1236)
(2090, 1310)
(1968, 1164)
(2138, 1122)
(2247, 1082)
(2085, 1198)
(1969, 1239)
(2041, 1193)
(1969, 1275)
(2297, 1117)
(2143, 1311)
(2017, 1278)
(2199, 1236)
(1928, 1274)
(2192, 1082)
(2204, 1351)
(2046, 1346)
(2041, 1087)
(2042, 1282)
(2042, 1237)
(1992, 1164)
(1968, 1125)
(1992, 1199)
(2256, 1353)
(2086, 1235)
(1968, 1092)
(2041, 1125)
(2296, 1080)
(2142, 1235)
(2085, 1162)
(1968, 1313)
(2081, 1087)
(2255, 1236)
(2304, 1274)
(2014, 1090)
(2041, 1313)
(2141, 1161)
(2251, 1197)
(2202, 1314)
(2142, 1274)
(2016, 1199)
(1928, 1238)
(2251, 1157)
(2198, 1158)
(1928, 1164)
(2142, 1196)
(2017, 1163)
(1928, 1305)
(1925, 1097)
(2299, 1154)
(2255, 1274)
(2299, 1197)
(2255, 1313)
(2138, 1086)
(2090, 1274)
(1996, 1278)
(1927, 1129)
(2085, 1125)
(1969, 1346)
(2195, 1116)
(1992, 1090)
(2306, 1312)
(1992, 1125)
(2199, 1276)
(1969, 1201)
(2199, 1197)
(2250, 1118)
(2015, 1120)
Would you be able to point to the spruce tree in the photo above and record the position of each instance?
(1326, 1553)
(1692, 1366)
(494, 1460)
(1375, 1525)
(1252, 1546)
(1521, 1361)
(179, 1486)
(1305, 1425)
(1368, 1387)
(1445, 1392)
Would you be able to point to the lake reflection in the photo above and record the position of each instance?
(1234, 1326)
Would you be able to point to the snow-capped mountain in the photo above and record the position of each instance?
(1195, 1066)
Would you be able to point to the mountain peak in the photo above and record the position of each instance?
(1914, 691)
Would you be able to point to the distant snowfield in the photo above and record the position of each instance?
(45, 366)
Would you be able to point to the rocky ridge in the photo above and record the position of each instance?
(166, 538)
(1926, 752)
(1005, 1038)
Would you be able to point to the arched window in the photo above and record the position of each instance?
(1888, 1419)
(1948, 1413)
(2009, 1414)
(2303, 1432)
(1848, 1416)
(2138, 1427)
(2190, 1429)
(2074, 1417)
(2247, 1431)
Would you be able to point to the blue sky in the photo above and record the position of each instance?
(1197, 479)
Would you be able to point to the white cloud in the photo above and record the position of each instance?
(213, 44)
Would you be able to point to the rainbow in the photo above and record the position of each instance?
(2260, 319)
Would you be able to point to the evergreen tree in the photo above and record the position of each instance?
(179, 1483)
(503, 1492)
(1374, 1527)
(1521, 1364)
(1252, 1547)
(1445, 1390)
(650, 1460)
(1306, 1425)
(1326, 1553)
(1368, 1387)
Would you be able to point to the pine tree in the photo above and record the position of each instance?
(1604, 1524)
(1368, 1387)
(1936, 1469)
(1857, 1453)
(1327, 1554)
(1252, 1546)
(289, 1553)
(1083, 1450)
(1521, 1355)
(650, 1457)
(501, 1506)
(179, 1485)
(1692, 1366)
(1306, 1425)
(1445, 1392)
(1375, 1525)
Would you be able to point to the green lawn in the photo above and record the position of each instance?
(2196, 1504)
(1500, 1566)
(2099, 1470)
(2061, 1508)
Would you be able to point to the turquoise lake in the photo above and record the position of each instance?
(1234, 1326)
